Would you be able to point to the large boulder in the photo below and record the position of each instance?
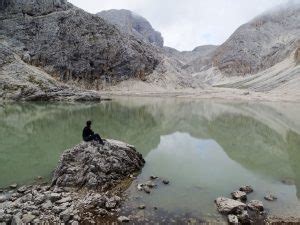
(93, 165)
(227, 205)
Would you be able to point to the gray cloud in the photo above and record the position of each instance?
(186, 24)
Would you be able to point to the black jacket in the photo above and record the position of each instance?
(87, 131)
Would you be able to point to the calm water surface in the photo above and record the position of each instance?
(205, 148)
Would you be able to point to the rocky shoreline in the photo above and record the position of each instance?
(86, 187)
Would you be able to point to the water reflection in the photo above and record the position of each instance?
(259, 140)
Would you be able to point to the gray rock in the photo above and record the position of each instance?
(227, 205)
(54, 197)
(107, 168)
(152, 177)
(64, 200)
(22, 189)
(256, 205)
(244, 217)
(142, 207)
(3, 198)
(150, 184)
(147, 189)
(47, 205)
(270, 197)
(233, 219)
(246, 188)
(13, 186)
(239, 195)
(28, 218)
(66, 215)
(123, 219)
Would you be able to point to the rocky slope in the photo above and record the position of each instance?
(70, 44)
(133, 24)
(260, 44)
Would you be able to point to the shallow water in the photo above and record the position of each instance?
(205, 148)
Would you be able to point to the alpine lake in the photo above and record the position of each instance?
(205, 148)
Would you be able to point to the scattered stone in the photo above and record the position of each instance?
(239, 195)
(1, 191)
(233, 219)
(13, 186)
(256, 205)
(65, 216)
(244, 217)
(227, 205)
(123, 219)
(22, 189)
(64, 200)
(140, 187)
(150, 184)
(3, 198)
(270, 197)
(28, 218)
(39, 178)
(54, 197)
(153, 177)
(47, 205)
(147, 189)
(142, 207)
(166, 182)
(288, 181)
(247, 189)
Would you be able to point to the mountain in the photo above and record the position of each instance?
(260, 44)
(133, 24)
(69, 44)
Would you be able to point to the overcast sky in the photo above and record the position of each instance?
(186, 24)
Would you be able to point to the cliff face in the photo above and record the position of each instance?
(261, 43)
(133, 24)
(71, 44)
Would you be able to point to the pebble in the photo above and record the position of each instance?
(13, 186)
(28, 218)
(147, 189)
(123, 219)
(142, 207)
(166, 182)
(270, 197)
(153, 177)
(3, 198)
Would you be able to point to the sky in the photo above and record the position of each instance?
(186, 24)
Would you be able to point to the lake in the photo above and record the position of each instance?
(205, 148)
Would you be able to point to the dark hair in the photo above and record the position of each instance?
(88, 123)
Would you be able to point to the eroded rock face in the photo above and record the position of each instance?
(71, 44)
(133, 24)
(94, 166)
(261, 43)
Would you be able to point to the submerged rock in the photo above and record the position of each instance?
(227, 205)
(270, 197)
(93, 165)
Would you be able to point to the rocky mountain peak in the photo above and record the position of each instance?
(133, 24)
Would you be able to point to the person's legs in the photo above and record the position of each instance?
(97, 137)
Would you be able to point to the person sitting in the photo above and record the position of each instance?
(89, 135)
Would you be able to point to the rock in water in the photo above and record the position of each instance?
(227, 205)
(247, 189)
(239, 195)
(93, 165)
(123, 219)
(256, 205)
(270, 197)
(233, 219)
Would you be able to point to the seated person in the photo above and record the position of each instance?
(89, 135)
